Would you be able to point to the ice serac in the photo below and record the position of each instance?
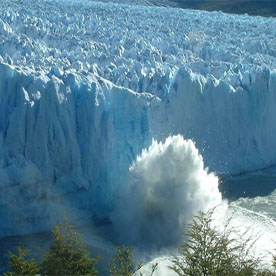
(234, 128)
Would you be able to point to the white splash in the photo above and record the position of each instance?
(168, 184)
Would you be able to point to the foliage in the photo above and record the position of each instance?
(274, 264)
(153, 268)
(122, 264)
(209, 252)
(20, 265)
(67, 255)
(251, 7)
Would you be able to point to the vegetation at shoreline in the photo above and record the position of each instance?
(251, 7)
(206, 252)
(210, 252)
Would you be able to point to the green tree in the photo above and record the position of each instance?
(21, 265)
(274, 264)
(209, 252)
(122, 264)
(67, 255)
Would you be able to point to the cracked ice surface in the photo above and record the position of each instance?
(135, 47)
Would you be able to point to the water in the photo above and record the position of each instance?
(250, 186)
(96, 240)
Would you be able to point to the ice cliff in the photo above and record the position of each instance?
(85, 86)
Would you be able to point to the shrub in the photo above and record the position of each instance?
(67, 255)
(209, 252)
(122, 264)
(20, 265)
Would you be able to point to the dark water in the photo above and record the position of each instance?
(233, 188)
(39, 243)
(251, 7)
(36, 243)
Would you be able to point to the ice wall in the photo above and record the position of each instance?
(64, 142)
(67, 143)
(234, 128)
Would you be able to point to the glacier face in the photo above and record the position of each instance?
(85, 86)
(65, 144)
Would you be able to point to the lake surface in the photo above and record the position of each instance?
(97, 240)
(250, 186)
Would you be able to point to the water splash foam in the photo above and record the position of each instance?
(167, 185)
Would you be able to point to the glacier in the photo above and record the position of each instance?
(85, 86)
